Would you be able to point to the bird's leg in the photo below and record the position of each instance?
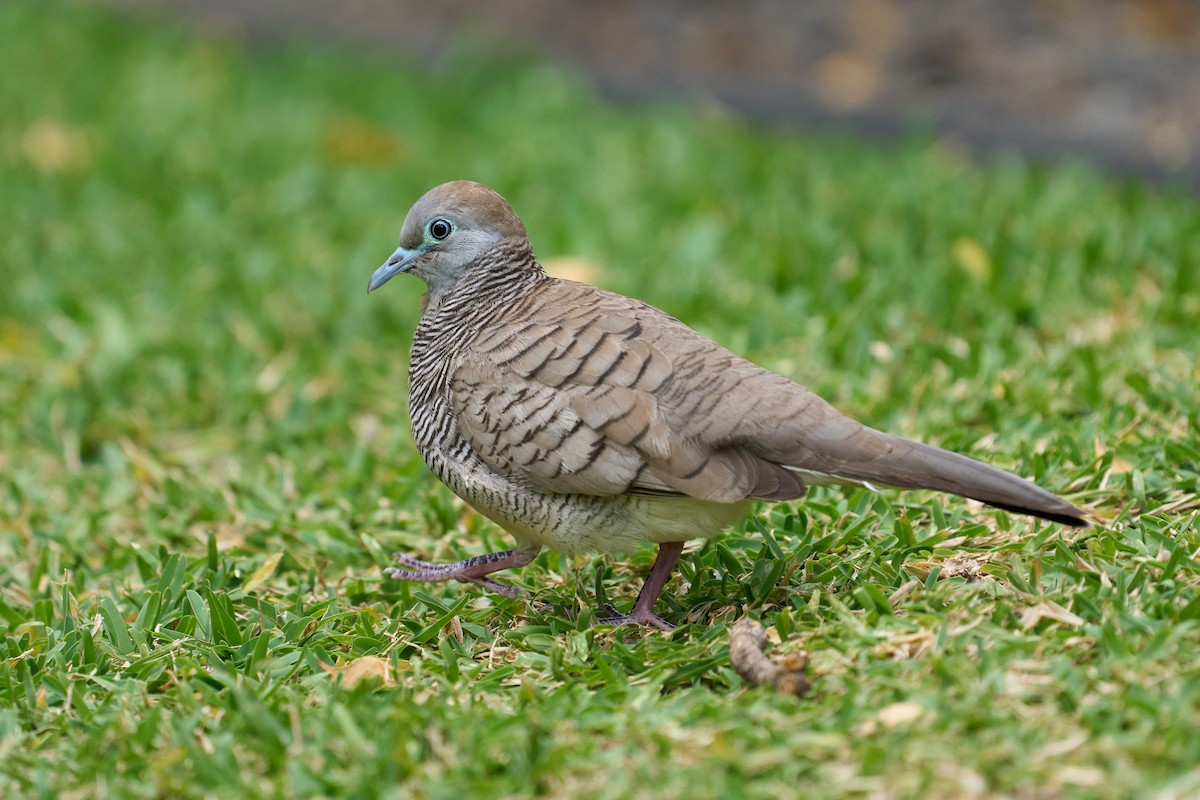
(469, 570)
(643, 609)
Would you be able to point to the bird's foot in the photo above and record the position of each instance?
(469, 570)
(608, 615)
(643, 610)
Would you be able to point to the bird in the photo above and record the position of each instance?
(580, 420)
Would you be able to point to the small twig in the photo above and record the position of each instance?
(747, 645)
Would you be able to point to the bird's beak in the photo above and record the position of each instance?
(400, 261)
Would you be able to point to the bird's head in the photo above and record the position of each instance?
(446, 231)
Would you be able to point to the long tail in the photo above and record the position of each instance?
(912, 465)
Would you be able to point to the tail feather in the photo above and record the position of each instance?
(912, 465)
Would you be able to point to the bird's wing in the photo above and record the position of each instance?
(580, 395)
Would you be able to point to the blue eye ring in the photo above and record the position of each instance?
(440, 228)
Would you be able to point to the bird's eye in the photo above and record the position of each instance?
(440, 228)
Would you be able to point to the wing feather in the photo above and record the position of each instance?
(585, 401)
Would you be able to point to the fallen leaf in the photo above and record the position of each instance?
(1080, 776)
(973, 259)
(900, 713)
(53, 146)
(362, 669)
(962, 566)
(892, 716)
(265, 571)
(1048, 609)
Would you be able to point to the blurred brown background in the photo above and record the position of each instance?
(1116, 81)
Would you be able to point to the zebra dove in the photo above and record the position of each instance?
(578, 419)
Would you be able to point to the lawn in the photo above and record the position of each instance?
(205, 460)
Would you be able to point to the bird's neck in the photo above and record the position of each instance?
(452, 317)
(493, 280)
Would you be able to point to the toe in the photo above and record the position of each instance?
(608, 615)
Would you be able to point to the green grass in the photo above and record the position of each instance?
(205, 458)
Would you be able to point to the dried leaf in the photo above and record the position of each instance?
(362, 669)
(1048, 609)
(973, 259)
(265, 571)
(52, 146)
(962, 566)
(901, 713)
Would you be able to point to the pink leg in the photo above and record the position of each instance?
(470, 570)
(643, 609)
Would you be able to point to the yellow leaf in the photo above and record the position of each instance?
(265, 571)
(892, 716)
(362, 669)
(1120, 466)
(971, 256)
(52, 146)
(1048, 609)
(900, 713)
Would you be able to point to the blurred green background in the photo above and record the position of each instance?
(205, 457)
